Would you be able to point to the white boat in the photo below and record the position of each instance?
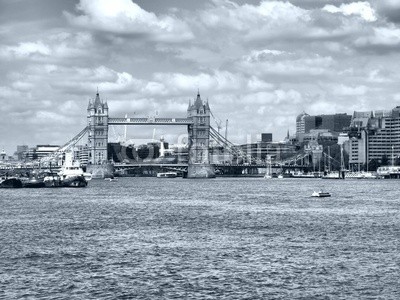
(71, 173)
(111, 179)
(167, 175)
(320, 194)
(360, 175)
(267, 176)
(388, 172)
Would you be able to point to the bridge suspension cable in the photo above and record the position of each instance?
(65, 147)
(235, 150)
(222, 141)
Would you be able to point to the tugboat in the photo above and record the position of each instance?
(71, 174)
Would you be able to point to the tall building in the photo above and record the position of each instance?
(374, 135)
(97, 116)
(334, 123)
(300, 123)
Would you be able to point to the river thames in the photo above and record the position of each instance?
(226, 238)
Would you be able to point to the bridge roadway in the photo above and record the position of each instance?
(149, 121)
(182, 165)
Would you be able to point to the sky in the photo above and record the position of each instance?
(259, 63)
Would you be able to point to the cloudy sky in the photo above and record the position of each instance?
(260, 63)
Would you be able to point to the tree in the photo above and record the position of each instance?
(373, 165)
(384, 160)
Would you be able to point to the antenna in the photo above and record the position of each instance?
(125, 129)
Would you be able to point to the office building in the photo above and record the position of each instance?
(334, 123)
(266, 137)
(374, 135)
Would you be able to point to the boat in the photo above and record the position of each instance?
(71, 174)
(10, 183)
(305, 175)
(320, 194)
(267, 176)
(33, 182)
(388, 172)
(111, 179)
(167, 175)
(361, 175)
(52, 180)
(334, 175)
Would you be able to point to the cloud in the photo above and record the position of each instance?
(345, 90)
(385, 37)
(24, 50)
(253, 20)
(389, 9)
(126, 17)
(362, 9)
(285, 64)
(52, 48)
(260, 63)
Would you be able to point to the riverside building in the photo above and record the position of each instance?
(374, 135)
(332, 123)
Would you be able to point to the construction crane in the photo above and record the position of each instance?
(226, 130)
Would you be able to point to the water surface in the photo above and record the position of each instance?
(228, 238)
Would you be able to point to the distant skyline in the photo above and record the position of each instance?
(259, 63)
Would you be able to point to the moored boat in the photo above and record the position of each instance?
(360, 175)
(72, 175)
(388, 172)
(10, 183)
(167, 175)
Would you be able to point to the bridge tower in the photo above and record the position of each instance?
(199, 139)
(97, 117)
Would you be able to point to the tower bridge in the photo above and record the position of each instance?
(198, 127)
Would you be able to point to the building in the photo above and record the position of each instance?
(81, 154)
(334, 123)
(21, 152)
(97, 119)
(320, 136)
(266, 137)
(300, 123)
(40, 151)
(259, 151)
(3, 155)
(374, 136)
